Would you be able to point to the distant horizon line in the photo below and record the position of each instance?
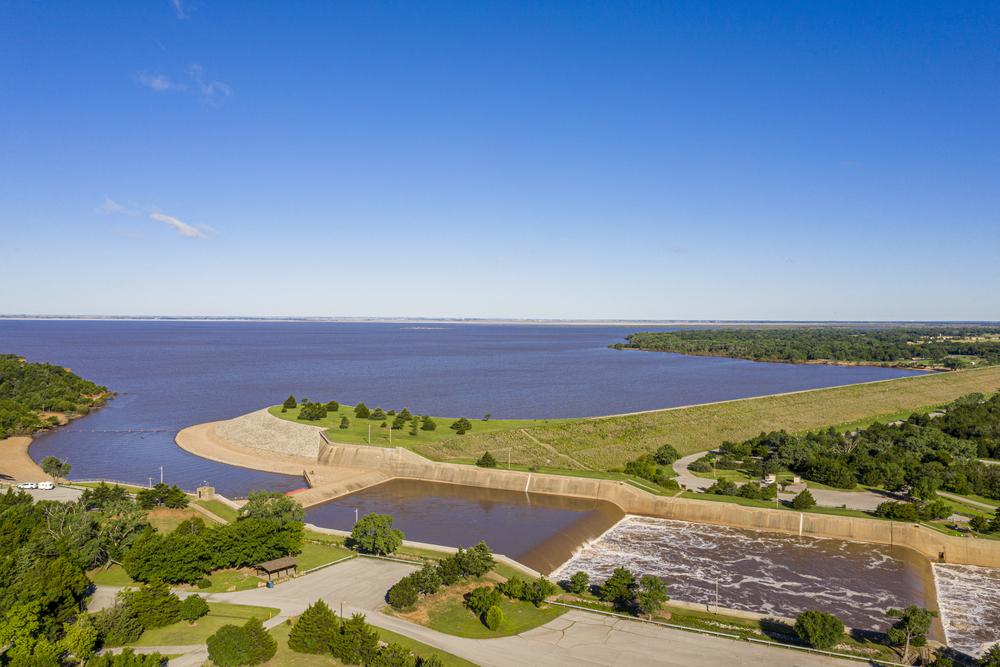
(474, 320)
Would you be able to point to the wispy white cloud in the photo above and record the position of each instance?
(178, 6)
(160, 83)
(179, 226)
(212, 90)
(111, 207)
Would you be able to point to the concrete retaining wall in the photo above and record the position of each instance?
(400, 462)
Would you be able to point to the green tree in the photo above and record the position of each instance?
(803, 501)
(272, 505)
(262, 646)
(579, 583)
(193, 607)
(652, 594)
(118, 625)
(361, 411)
(374, 534)
(488, 416)
(153, 604)
(666, 455)
(378, 414)
(486, 461)
(229, 647)
(480, 599)
(345, 422)
(413, 426)
(991, 658)
(619, 588)
(461, 426)
(127, 658)
(398, 423)
(313, 411)
(427, 579)
(332, 406)
(404, 593)
(911, 629)
(427, 423)
(80, 638)
(55, 467)
(314, 630)
(290, 403)
(819, 629)
(357, 641)
(406, 414)
(493, 618)
(392, 655)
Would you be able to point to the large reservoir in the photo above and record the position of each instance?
(172, 374)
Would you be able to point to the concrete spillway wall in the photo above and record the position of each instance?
(400, 462)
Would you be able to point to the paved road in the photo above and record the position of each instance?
(967, 501)
(573, 639)
(60, 493)
(859, 500)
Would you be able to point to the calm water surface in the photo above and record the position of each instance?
(170, 375)
(536, 529)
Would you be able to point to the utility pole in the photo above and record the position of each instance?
(369, 433)
(390, 434)
(150, 482)
(508, 457)
(161, 474)
(355, 521)
(716, 596)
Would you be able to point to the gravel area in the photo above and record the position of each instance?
(262, 430)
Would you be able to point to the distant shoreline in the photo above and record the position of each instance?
(496, 321)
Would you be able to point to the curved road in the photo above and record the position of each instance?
(575, 638)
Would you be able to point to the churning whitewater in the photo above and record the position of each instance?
(769, 573)
(969, 600)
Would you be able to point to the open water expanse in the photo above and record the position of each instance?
(537, 529)
(769, 573)
(172, 374)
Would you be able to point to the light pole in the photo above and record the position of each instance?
(161, 474)
(716, 596)
(369, 433)
(355, 517)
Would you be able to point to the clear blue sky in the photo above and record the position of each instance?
(807, 160)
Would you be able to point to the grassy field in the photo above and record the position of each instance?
(218, 508)
(183, 633)
(608, 442)
(165, 520)
(315, 554)
(445, 611)
(112, 576)
(286, 657)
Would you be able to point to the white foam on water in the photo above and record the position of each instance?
(755, 571)
(969, 602)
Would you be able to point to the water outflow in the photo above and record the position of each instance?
(769, 573)
(969, 600)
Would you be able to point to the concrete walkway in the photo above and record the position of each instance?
(966, 501)
(857, 500)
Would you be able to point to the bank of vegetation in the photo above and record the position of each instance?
(906, 347)
(36, 396)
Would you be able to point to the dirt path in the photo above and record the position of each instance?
(16, 464)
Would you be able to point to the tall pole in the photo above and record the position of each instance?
(355, 517)
(716, 596)
(390, 434)
(161, 474)
(369, 433)
(508, 457)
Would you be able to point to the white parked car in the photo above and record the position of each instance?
(27, 485)
(46, 486)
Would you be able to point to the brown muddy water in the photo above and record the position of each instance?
(537, 529)
(764, 572)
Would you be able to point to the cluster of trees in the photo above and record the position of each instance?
(269, 526)
(914, 458)
(135, 611)
(28, 389)
(319, 631)
(982, 524)
(895, 345)
(915, 511)
(374, 534)
(162, 495)
(237, 645)
(459, 566)
(655, 467)
(751, 490)
(643, 595)
(312, 411)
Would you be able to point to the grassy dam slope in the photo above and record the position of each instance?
(601, 443)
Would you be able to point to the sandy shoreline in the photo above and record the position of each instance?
(16, 465)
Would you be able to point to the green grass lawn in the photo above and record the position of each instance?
(183, 633)
(357, 432)
(286, 657)
(446, 612)
(228, 580)
(219, 508)
(112, 576)
(643, 484)
(165, 520)
(314, 555)
(770, 504)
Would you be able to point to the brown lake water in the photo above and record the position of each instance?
(536, 529)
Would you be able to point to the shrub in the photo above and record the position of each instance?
(228, 647)
(619, 588)
(980, 524)
(723, 487)
(652, 594)
(193, 607)
(803, 501)
(494, 617)
(377, 415)
(749, 490)
(427, 579)
(332, 406)
(313, 412)
(392, 655)
(403, 594)
(127, 658)
(204, 583)
(361, 411)
(345, 422)
(290, 403)
(512, 588)
(538, 590)
(461, 426)
(819, 629)
(479, 600)
(486, 461)
(897, 511)
(666, 455)
(427, 424)
(314, 630)
(578, 583)
(701, 465)
(991, 658)
(374, 534)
